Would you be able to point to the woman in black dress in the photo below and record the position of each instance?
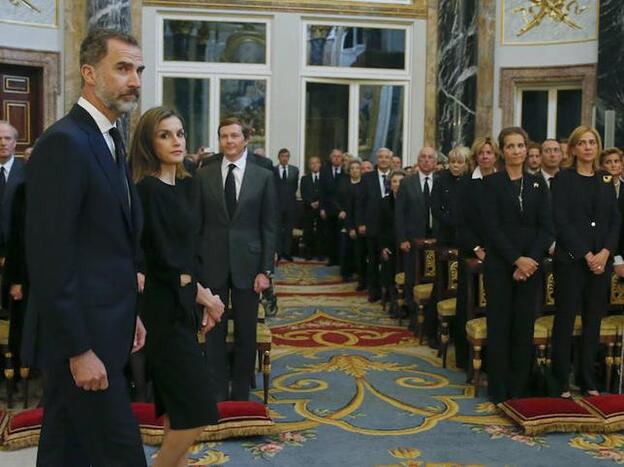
(587, 222)
(518, 232)
(171, 291)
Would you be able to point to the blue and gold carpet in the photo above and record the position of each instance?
(351, 388)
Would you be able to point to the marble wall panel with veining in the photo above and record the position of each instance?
(34, 12)
(114, 14)
(548, 21)
(457, 71)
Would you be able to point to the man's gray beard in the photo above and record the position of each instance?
(116, 105)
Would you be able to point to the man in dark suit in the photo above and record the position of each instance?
(11, 176)
(237, 210)
(84, 219)
(332, 177)
(311, 196)
(286, 182)
(413, 220)
(376, 187)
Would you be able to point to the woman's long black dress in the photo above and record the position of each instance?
(178, 368)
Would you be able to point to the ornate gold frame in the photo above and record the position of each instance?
(54, 25)
(416, 8)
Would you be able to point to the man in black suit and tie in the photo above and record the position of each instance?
(11, 176)
(376, 187)
(413, 220)
(332, 177)
(551, 159)
(311, 196)
(84, 219)
(237, 212)
(286, 182)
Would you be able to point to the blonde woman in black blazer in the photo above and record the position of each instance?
(587, 222)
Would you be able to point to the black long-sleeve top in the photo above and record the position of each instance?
(444, 207)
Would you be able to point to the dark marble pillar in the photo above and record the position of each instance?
(111, 14)
(457, 70)
(611, 66)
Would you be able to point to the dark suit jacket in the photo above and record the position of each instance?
(584, 221)
(330, 193)
(470, 228)
(351, 195)
(15, 271)
(310, 192)
(81, 245)
(444, 207)
(287, 190)
(388, 237)
(370, 214)
(245, 245)
(263, 162)
(512, 232)
(16, 178)
(410, 213)
(620, 200)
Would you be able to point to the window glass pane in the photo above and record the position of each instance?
(568, 111)
(215, 42)
(190, 97)
(327, 119)
(381, 120)
(245, 99)
(347, 46)
(535, 114)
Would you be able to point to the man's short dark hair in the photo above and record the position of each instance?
(95, 46)
(283, 151)
(227, 121)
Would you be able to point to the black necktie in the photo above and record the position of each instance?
(550, 181)
(385, 184)
(2, 183)
(427, 192)
(120, 159)
(314, 179)
(284, 174)
(230, 191)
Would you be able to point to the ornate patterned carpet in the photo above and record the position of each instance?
(351, 388)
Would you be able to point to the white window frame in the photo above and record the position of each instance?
(552, 89)
(359, 73)
(354, 110)
(215, 72)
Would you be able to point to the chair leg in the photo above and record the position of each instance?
(266, 374)
(420, 320)
(9, 374)
(476, 365)
(609, 365)
(25, 376)
(617, 360)
(444, 339)
(259, 359)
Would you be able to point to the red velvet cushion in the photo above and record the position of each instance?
(546, 414)
(610, 408)
(22, 429)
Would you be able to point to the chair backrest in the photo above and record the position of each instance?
(447, 272)
(475, 288)
(425, 260)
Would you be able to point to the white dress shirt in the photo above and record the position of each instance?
(103, 123)
(283, 169)
(239, 171)
(547, 177)
(7, 167)
(422, 181)
(382, 186)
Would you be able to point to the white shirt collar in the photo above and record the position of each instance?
(477, 173)
(380, 173)
(545, 174)
(103, 123)
(240, 163)
(8, 165)
(423, 176)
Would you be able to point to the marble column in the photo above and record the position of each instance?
(431, 88)
(457, 71)
(611, 66)
(485, 76)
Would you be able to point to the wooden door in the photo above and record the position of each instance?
(21, 102)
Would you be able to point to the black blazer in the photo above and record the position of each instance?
(15, 270)
(470, 227)
(444, 207)
(410, 219)
(243, 246)
(510, 231)
(81, 246)
(351, 194)
(387, 237)
(16, 178)
(370, 213)
(287, 189)
(620, 201)
(330, 196)
(584, 221)
(310, 192)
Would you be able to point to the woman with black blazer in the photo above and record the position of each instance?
(353, 248)
(470, 237)
(518, 231)
(587, 222)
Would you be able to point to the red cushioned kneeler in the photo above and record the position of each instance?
(236, 419)
(610, 408)
(547, 414)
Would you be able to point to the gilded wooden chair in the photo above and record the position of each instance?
(424, 277)
(446, 301)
